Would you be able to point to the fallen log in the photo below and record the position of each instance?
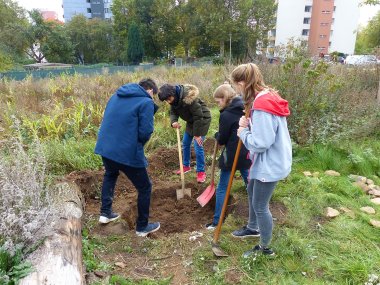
(58, 261)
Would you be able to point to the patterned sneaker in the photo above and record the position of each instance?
(211, 226)
(105, 219)
(185, 170)
(150, 228)
(245, 232)
(201, 177)
(258, 249)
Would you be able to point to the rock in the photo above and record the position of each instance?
(120, 264)
(331, 212)
(307, 173)
(368, 210)
(375, 223)
(361, 179)
(362, 186)
(376, 201)
(315, 174)
(100, 274)
(332, 173)
(347, 211)
(372, 186)
(353, 177)
(374, 192)
(369, 182)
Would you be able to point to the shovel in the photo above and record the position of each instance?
(206, 196)
(183, 191)
(215, 247)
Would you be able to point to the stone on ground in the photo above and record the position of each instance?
(307, 173)
(331, 212)
(376, 201)
(332, 173)
(375, 223)
(374, 192)
(362, 186)
(368, 210)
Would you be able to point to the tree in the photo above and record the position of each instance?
(11, 48)
(135, 50)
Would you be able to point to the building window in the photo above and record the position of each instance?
(324, 24)
(305, 32)
(326, 12)
(331, 32)
(334, 8)
(306, 20)
(322, 36)
(106, 10)
(321, 48)
(329, 44)
(307, 8)
(88, 10)
(333, 20)
(88, 1)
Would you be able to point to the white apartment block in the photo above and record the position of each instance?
(327, 25)
(89, 8)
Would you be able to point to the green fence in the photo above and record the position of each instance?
(21, 75)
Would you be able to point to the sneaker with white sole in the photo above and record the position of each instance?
(258, 249)
(245, 232)
(150, 228)
(105, 219)
(211, 226)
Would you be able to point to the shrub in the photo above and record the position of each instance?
(25, 197)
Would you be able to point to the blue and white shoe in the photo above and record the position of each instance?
(150, 228)
(105, 219)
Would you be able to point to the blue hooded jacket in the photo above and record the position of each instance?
(127, 125)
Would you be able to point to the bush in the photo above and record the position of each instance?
(25, 197)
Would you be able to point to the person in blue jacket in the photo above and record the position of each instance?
(127, 125)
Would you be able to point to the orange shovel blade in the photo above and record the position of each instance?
(206, 196)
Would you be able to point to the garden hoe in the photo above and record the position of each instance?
(183, 191)
(206, 196)
(215, 247)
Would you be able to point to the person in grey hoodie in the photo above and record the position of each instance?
(265, 134)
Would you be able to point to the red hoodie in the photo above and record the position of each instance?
(271, 102)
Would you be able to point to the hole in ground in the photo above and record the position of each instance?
(184, 215)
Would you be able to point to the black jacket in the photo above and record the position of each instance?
(193, 110)
(227, 136)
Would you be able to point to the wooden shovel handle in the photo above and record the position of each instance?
(213, 162)
(236, 158)
(180, 159)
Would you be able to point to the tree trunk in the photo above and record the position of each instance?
(378, 94)
(58, 260)
(221, 48)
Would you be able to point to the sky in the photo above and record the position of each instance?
(366, 12)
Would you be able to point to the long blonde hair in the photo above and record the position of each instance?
(250, 74)
(225, 91)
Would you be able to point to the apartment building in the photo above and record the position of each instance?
(326, 25)
(89, 8)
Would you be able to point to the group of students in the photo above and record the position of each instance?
(250, 111)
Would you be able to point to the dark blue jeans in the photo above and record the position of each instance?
(222, 188)
(140, 179)
(199, 152)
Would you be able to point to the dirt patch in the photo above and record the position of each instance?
(163, 161)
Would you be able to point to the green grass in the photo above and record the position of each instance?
(311, 249)
(12, 267)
